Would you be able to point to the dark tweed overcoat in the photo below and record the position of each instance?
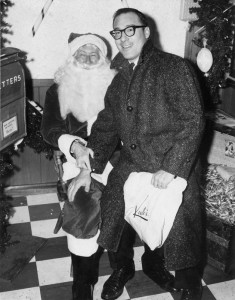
(157, 114)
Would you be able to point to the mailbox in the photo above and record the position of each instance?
(13, 97)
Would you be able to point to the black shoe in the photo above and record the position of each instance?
(113, 287)
(160, 275)
(192, 294)
(82, 291)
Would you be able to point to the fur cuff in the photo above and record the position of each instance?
(65, 141)
(83, 247)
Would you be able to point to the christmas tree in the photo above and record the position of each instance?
(5, 27)
(5, 161)
(216, 23)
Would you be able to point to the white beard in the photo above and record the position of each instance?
(81, 91)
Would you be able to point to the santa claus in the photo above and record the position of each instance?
(71, 107)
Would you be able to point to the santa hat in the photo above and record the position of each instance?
(78, 40)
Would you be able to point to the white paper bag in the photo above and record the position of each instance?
(149, 210)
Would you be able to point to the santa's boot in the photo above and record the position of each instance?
(85, 276)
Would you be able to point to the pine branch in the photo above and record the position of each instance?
(216, 22)
(5, 27)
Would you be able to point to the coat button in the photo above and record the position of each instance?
(96, 154)
(129, 108)
(133, 146)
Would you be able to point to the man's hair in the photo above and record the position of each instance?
(142, 17)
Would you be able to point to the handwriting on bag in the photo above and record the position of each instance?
(142, 210)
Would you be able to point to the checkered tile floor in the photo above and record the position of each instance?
(47, 275)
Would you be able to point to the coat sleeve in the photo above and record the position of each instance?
(104, 137)
(53, 126)
(187, 104)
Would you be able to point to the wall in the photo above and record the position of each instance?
(48, 48)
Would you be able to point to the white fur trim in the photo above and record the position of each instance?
(103, 178)
(87, 39)
(89, 124)
(83, 247)
(70, 170)
(65, 142)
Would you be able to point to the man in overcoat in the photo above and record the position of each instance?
(156, 111)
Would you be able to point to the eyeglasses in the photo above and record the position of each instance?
(129, 31)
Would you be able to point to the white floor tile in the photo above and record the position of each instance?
(42, 199)
(24, 294)
(20, 214)
(54, 271)
(164, 296)
(203, 283)
(33, 259)
(45, 229)
(223, 290)
(138, 252)
(99, 286)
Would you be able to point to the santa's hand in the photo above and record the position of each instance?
(83, 179)
(82, 155)
(161, 179)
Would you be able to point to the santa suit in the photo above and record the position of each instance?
(61, 133)
(71, 107)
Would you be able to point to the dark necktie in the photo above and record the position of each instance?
(131, 68)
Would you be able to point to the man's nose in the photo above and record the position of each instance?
(88, 60)
(123, 37)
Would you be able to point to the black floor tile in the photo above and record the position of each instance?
(56, 291)
(19, 229)
(138, 242)
(54, 248)
(206, 294)
(140, 285)
(212, 275)
(27, 278)
(44, 212)
(19, 201)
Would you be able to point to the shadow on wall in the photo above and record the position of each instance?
(154, 34)
(109, 53)
(28, 77)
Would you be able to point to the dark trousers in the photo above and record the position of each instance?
(86, 269)
(125, 254)
(185, 278)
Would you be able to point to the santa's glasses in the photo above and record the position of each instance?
(129, 31)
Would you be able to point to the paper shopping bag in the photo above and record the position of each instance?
(149, 210)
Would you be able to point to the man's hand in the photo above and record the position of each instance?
(161, 179)
(83, 179)
(82, 154)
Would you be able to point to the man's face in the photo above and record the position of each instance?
(88, 56)
(130, 47)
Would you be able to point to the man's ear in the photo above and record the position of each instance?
(147, 32)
